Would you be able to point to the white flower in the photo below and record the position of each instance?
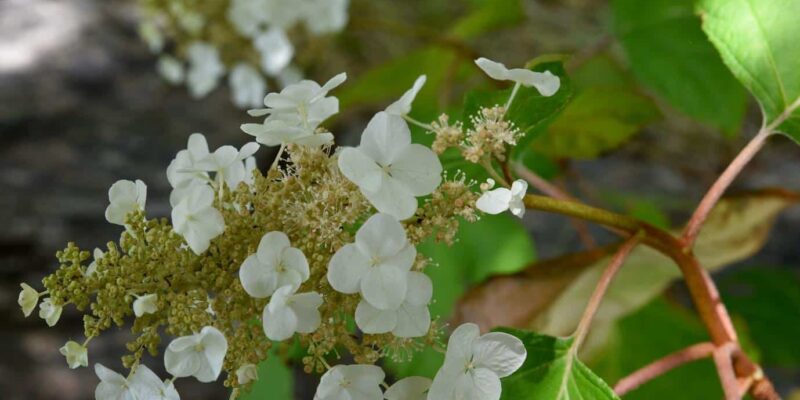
(276, 50)
(288, 313)
(228, 163)
(248, 16)
(171, 69)
(501, 199)
(403, 105)
(125, 197)
(411, 319)
(275, 264)
(283, 13)
(246, 374)
(151, 35)
(143, 384)
(474, 364)
(196, 219)
(75, 353)
(147, 304)
(325, 16)
(28, 299)
(545, 82)
(97, 254)
(351, 382)
(247, 86)
(411, 388)
(249, 167)
(183, 172)
(50, 312)
(376, 265)
(389, 169)
(199, 355)
(282, 129)
(205, 68)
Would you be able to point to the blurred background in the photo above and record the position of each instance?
(82, 106)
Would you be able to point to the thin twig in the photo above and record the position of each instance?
(662, 366)
(727, 375)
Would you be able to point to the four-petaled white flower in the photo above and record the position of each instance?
(376, 265)
(411, 388)
(352, 382)
(205, 68)
(50, 312)
(502, 199)
(199, 355)
(75, 353)
(403, 105)
(545, 82)
(97, 254)
(247, 86)
(147, 304)
(390, 170)
(143, 384)
(125, 197)
(228, 163)
(196, 219)
(474, 364)
(275, 264)
(411, 319)
(182, 171)
(246, 374)
(28, 299)
(289, 312)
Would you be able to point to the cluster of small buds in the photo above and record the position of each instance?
(447, 135)
(489, 136)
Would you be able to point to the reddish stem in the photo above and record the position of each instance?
(662, 366)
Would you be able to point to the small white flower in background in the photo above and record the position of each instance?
(390, 170)
(147, 304)
(502, 199)
(474, 364)
(125, 197)
(247, 86)
(228, 163)
(403, 105)
(411, 319)
(276, 50)
(325, 16)
(411, 388)
(50, 312)
(354, 382)
(284, 13)
(171, 69)
(152, 36)
(545, 82)
(28, 299)
(143, 384)
(75, 353)
(196, 219)
(246, 374)
(205, 69)
(97, 254)
(376, 265)
(199, 355)
(289, 312)
(275, 264)
(248, 16)
(289, 76)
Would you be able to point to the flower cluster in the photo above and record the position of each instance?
(199, 42)
(251, 260)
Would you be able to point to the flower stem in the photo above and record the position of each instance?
(278, 156)
(418, 123)
(662, 366)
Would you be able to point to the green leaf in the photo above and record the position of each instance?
(275, 381)
(552, 371)
(670, 55)
(758, 42)
(489, 15)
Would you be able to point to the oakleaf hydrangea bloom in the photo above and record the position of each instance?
(275, 264)
(147, 304)
(143, 384)
(403, 105)
(288, 313)
(199, 355)
(502, 199)
(545, 82)
(355, 382)
(390, 170)
(247, 86)
(50, 312)
(205, 69)
(75, 353)
(196, 219)
(246, 374)
(28, 299)
(411, 319)
(276, 50)
(228, 163)
(411, 388)
(474, 364)
(125, 197)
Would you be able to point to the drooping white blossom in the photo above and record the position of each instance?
(196, 219)
(28, 299)
(147, 304)
(275, 49)
(247, 86)
(403, 105)
(246, 374)
(276, 263)
(75, 353)
(50, 312)
(390, 170)
(410, 388)
(142, 384)
(545, 82)
(97, 254)
(351, 382)
(125, 197)
(411, 319)
(502, 199)
(199, 355)
(205, 69)
(474, 364)
(289, 312)
(376, 265)
(228, 163)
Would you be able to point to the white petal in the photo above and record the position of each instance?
(215, 347)
(412, 321)
(360, 169)
(494, 69)
(545, 82)
(519, 187)
(384, 138)
(248, 87)
(384, 287)
(393, 198)
(459, 346)
(258, 280)
(499, 352)
(481, 384)
(403, 260)
(182, 364)
(306, 308)
(411, 388)
(146, 304)
(276, 50)
(494, 201)
(372, 320)
(294, 259)
(246, 373)
(420, 289)
(365, 381)
(418, 168)
(444, 382)
(333, 83)
(403, 105)
(346, 269)
(280, 323)
(197, 146)
(381, 236)
(271, 247)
